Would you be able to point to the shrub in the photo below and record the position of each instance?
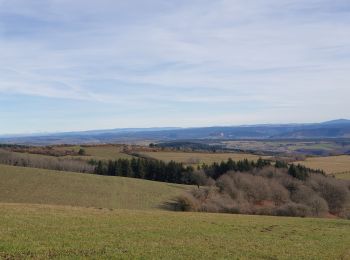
(82, 151)
(278, 193)
(272, 172)
(317, 205)
(219, 203)
(290, 184)
(255, 188)
(226, 184)
(334, 192)
(199, 178)
(186, 202)
(293, 209)
(301, 194)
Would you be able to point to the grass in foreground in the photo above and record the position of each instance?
(41, 232)
(29, 185)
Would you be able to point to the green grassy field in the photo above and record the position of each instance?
(29, 185)
(197, 157)
(42, 232)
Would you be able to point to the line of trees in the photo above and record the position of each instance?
(174, 172)
(171, 172)
(47, 162)
(298, 171)
(215, 170)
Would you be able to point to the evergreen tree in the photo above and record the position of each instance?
(99, 168)
(111, 168)
(125, 167)
(281, 164)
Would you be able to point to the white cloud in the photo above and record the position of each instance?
(291, 54)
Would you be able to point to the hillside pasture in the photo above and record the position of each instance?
(38, 186)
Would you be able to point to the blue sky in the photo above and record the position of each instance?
(76, 65)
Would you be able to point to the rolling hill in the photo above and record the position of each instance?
(38, 186)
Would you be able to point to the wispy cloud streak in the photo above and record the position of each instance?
(149, 54)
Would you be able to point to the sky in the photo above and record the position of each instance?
(77, 65)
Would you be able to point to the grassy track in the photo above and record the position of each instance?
(41, 232)
(28, 185)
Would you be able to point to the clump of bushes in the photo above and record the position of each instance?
(270, 191)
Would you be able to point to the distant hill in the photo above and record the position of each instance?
(332, 129)
(337, 122)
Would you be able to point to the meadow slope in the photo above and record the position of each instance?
(38, 186)
(41, 232)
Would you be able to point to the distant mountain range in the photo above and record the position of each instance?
(332, 129)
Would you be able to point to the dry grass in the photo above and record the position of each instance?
(107, 152)
(290, 146)
(29, 185)
(330, 164)
(343, 175)
(97, 152)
